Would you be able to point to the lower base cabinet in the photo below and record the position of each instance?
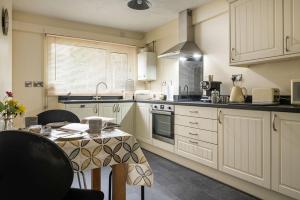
(286, 154)
(202, 152)
(244, 145)
(143, 119)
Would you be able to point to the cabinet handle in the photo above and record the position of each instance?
(96, 109)
(82, 106)
(119, 108)
(194, 123)
(274, 123)
(195, 112)
(195, 134)
(219, 117)
(286, 43)
(232, 53)
(114, 108)
(192, 142)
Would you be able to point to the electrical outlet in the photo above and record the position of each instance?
(237, 77)
(28, 84)
(38, 84)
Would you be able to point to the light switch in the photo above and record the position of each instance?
(28, 83)
(38, 84)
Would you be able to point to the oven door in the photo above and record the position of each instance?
(163, 126)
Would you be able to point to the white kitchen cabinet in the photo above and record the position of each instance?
(143, 116)
(127, 117)
(244, 145)
(286, 154)
(83, 110)
(108, 110)
(292, 26)
(147, 66)
(122, 113)
(256, 29)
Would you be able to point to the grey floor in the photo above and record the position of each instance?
(174, 182)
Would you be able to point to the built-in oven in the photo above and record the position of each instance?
(163, 123)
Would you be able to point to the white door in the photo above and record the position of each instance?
(126, 114)
(108, 110)
(286, 154)
(256, 29)
(244, 145)
(143, 122)
(83, 110)
(292, 26)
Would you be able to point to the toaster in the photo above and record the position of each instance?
(265, 95)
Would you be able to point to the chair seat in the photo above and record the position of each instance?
(79, 194)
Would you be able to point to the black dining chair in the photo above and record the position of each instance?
(51, 116)
(33, 167)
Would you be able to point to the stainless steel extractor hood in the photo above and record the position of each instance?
(186, 48)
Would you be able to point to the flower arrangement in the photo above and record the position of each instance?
(10, 109)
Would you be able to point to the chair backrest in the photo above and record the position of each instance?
(32, 167)
(51, 116)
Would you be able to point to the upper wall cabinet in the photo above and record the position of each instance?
(256, 29)
(292, 26)
(147, 66)
(263, 31)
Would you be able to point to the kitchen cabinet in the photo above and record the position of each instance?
(286, 154)
(121, 112)
(143, 116)
(292, 26)
(196, 134)
(147, 66)
(256, 30)
(83, 110)
(244, 145)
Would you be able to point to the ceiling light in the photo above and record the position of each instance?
(139, 4)
(182, 58)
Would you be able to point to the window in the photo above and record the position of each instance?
(76, 66)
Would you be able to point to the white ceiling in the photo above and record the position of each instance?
(111, 13)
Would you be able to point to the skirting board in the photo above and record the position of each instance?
(244, 186)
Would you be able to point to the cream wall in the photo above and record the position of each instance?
(212, 36)
(6, 52)
(28, 53)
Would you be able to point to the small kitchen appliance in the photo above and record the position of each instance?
(238, 94)
(163, 123)
(265, 96)
(208, 87)
(295, 92)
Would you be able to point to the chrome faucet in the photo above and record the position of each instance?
(97, 87)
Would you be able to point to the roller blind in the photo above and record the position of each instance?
(76, 66)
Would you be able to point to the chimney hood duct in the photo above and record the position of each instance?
(186, 48)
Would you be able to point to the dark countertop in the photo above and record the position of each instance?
(242, 106)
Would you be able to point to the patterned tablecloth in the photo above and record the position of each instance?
(110, 148)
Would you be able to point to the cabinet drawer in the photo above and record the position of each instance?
(202, 152)
(193, 122)
(210, 113)
(197, 134)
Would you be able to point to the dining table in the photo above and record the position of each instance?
(114, 148)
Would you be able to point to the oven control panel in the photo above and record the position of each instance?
(163, 107)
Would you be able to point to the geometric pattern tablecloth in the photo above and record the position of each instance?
(107, 149)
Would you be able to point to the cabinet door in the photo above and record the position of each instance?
(244, 145)
(292, 26)
(256, 29)
(286, 154)
(108, 110)
(83, 110)
(126, 114)
(143, 122)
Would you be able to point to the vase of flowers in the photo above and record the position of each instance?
(9, 110)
